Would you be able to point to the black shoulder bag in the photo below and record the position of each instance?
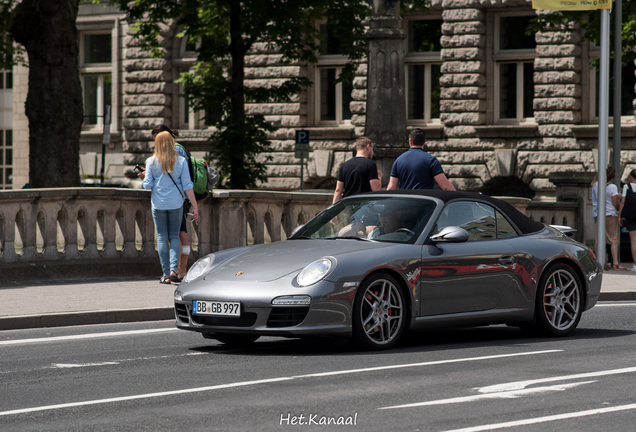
(629, 208)
(175, 183)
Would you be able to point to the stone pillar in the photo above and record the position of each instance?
(463, 80)
(386, 102)
(557, 81)
(147, 97)
(576, 187)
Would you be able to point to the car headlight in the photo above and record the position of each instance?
(178, 295)
(199, 268)
(314, 272)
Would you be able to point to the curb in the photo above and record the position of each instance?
(82, 318)
(617, 296)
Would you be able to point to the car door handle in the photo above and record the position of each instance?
(507, 259)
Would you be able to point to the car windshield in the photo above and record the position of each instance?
(390, 219)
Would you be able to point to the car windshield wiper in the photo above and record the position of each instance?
(348, 238)
(301, 238)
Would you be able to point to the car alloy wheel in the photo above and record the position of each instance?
(559, 301)
(379, 313)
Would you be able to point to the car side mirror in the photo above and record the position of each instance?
(451, 234)
(297, 229)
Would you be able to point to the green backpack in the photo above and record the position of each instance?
(203, 176)
(199, 176)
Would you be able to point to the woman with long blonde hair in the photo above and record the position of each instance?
(168, 177)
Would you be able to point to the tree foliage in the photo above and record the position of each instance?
(10, 53)
(224, 31)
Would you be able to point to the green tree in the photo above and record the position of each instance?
(47, 31)
(225, 30)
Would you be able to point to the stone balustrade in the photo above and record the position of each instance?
(110, 232)
(107, 231)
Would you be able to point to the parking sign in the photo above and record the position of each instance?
(302, 136)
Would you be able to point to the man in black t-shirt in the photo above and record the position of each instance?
(358, 174)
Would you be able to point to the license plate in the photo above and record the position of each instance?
(206, 307)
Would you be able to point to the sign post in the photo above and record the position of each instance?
(603, 114)
(302, 150)
(105, 142)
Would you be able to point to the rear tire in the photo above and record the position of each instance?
(235, 340)
(379, 313)
(558, 304)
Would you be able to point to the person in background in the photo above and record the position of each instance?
(595, 198)
(184, 241)
(595, 203)
(184, 251)
(627, 213)
(168, 177)
(359, 174)
(416, 169)
(612, 198)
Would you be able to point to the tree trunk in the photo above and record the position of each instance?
(237, 94)
(54, 106)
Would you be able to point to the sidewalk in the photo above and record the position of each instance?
(100, 301)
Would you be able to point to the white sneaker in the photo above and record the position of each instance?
(633, 268)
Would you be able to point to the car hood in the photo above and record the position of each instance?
(272, 261)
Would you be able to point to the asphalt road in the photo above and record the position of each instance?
(150, 376)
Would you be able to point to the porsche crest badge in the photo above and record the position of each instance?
(238, 274)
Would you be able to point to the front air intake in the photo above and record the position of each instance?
(287, 316)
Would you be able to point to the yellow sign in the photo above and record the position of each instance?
(563, 5)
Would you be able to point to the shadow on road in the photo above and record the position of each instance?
(421, 341)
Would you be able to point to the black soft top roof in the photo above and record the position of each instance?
(523, 222)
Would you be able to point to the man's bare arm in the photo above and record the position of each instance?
(338, 192)
(393, 184)
(376, 184)
(444, 183)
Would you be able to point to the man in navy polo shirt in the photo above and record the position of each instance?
(416, 169)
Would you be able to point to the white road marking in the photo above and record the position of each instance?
(545, 419)
(116, 362)
(500, 395)
(84, 336)
(112, 362)
(614, 304)
(518, 385)
(143, 396)
(428, 363)
(263, 381)
(74, 365)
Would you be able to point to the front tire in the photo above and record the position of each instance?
(379, 313)
(559, 302)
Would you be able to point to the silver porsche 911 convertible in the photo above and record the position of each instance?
(373, 266)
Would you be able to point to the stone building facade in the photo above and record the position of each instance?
(493, 101)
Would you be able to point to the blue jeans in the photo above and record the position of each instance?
(167, 223)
